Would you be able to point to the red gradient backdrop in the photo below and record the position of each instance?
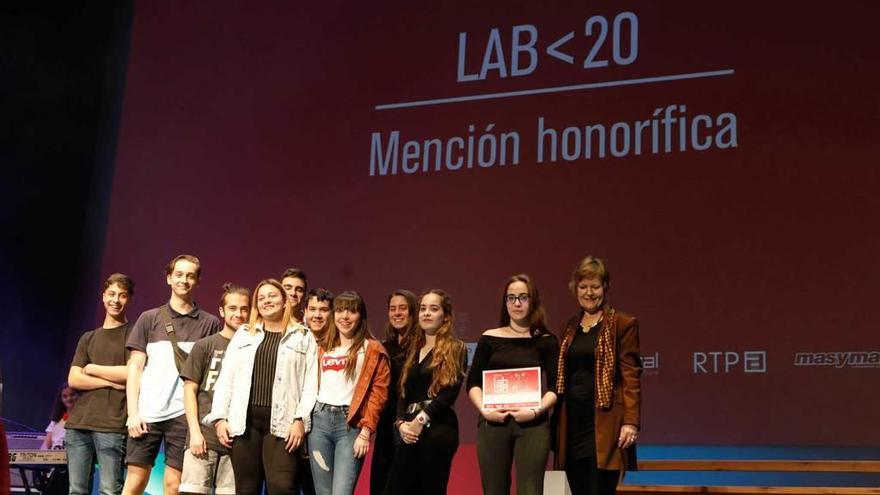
(246, 140)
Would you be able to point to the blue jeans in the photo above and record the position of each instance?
(331, 451)
(83, 447)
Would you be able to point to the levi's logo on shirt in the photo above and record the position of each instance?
(333, 363)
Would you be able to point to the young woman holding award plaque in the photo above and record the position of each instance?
(514, 426)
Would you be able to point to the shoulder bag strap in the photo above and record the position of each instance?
(179, 354)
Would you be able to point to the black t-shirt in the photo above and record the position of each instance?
(203, 367)
(102, 409)
(498, 353)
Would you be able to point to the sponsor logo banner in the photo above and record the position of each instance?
(715, 362)
(838, 359)
(651, 363)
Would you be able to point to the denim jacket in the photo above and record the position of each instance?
(294, 388)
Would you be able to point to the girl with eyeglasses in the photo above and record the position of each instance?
(516, 434)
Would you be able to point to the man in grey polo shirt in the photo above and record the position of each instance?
(154, 387)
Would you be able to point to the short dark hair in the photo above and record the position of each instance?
(187, 257)
(321, 295)
(230, 288)
(295, 273)
(121, 280)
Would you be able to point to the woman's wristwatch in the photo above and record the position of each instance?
(423, 419)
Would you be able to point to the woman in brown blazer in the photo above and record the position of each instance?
(598, 386)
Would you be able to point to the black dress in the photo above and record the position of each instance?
(584, 477)
(580, 377)
(424, 466)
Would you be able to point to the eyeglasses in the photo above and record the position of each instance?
(513, 298)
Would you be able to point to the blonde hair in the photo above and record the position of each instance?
(255, 316)
(589, 267)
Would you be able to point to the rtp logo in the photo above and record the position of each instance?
(715, 362)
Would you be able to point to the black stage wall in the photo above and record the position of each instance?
(62, 67)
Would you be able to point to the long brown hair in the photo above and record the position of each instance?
(405, 336)
(58, 407)
(353, 302)
(448, 348)
(537, 319)
(255, 316)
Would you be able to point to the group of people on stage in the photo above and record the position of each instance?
(289, 388)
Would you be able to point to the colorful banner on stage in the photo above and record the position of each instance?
(721, 157)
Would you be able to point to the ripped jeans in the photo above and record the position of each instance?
(331, 451)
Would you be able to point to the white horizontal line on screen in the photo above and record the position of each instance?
(556, 89)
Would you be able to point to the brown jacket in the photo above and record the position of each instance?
(371, 390)
(626, 394)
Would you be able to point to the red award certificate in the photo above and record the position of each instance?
(512, 388)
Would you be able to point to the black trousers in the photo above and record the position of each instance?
(585, 478)
(499, 445)
(304, 481)
(383, 452)
(259, 456)
(424, 466)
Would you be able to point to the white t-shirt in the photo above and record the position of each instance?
(335, 388)
(57, 430)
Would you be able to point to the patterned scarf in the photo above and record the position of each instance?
(606, 359)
